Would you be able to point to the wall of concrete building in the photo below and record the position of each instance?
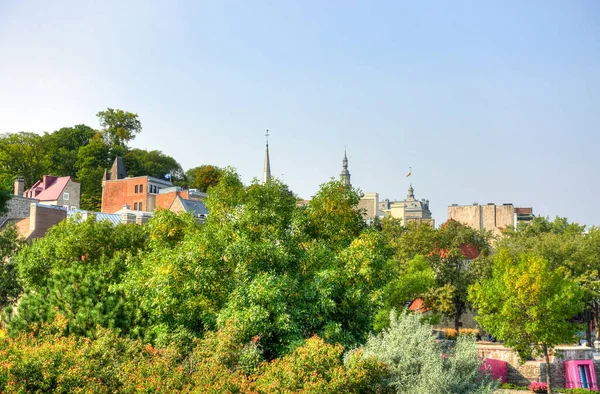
(369, 203)
(489, 217)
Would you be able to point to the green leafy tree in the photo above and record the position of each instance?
(455, 268)
(4, 198)
(564, 245)
(22, 154)
(154, 163)
(10, 243)
(528, 304)
(62, 148)
(415, 280)
(118, 126)
(203, 177)
(92, 160)
(261, 261)
(71, 271)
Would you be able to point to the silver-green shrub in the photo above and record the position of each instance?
(419, 365)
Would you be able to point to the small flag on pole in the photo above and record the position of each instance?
(168, 176)
(409, 172)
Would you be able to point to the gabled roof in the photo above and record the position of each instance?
(196, 208)
(48, 189)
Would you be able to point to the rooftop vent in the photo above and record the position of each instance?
(475, 203)
(455, 205)
(491, 203)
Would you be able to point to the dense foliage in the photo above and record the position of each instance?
(267, 295)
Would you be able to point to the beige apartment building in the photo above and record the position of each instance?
(490, 217)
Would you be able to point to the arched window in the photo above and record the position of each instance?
(136, 189)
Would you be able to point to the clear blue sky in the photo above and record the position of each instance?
(488, 101)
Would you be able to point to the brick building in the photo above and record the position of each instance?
(145, 193)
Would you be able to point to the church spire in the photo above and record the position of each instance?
(345, 174)
(267, 168)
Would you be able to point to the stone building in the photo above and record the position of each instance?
(52, 190)
(490, 217)
(143, 193)
(409, 209)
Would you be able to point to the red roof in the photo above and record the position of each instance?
(48, 189)
(418, 305)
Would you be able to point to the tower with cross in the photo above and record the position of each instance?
(267, 166)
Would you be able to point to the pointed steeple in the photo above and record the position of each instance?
(345, 174)
(117, 171)
(267, 168)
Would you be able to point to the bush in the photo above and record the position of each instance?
(418, 365)
(316, 367)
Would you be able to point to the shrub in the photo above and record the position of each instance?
(418, 365)
(316, 367)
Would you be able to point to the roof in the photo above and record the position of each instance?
(48, 189)
(80, 214)
(196, 208)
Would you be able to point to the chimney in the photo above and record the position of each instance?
(19, 187)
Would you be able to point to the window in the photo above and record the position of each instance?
(141, 188)
(66, 196)
(136, 189)
(73, 207)
(141, 207)
(135, 203)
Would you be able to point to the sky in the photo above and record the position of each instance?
(487, 101)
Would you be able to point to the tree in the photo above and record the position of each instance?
(262, 262)
(10, 243)
(413, 280)
(456, 260)
(154, 163)
(528, 304)
(4, 198)
(119, 127)
(203, 177)
(564, 245)
(62, 148)
(92, 160)
(22, 154)
(70, 272)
